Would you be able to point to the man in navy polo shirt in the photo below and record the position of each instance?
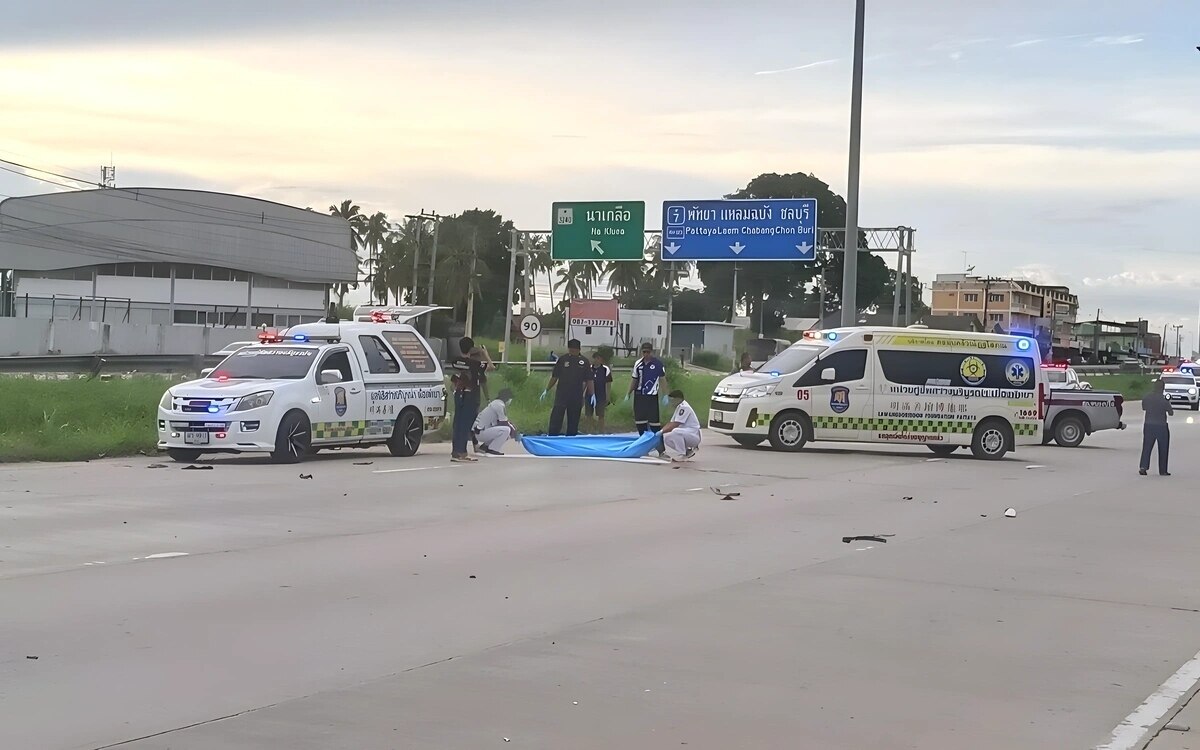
(649, 380)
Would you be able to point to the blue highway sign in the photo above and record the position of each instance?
(781, 229)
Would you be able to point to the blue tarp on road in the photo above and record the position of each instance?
(592, 446)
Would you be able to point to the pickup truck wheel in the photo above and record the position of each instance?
(183, 455)
(748, 441)
(790, 431)
(943, 450)
(1069, 431)
(406, 434)
(293, 441)
(991, 440)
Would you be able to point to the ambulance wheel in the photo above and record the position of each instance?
(1069, 431)
(406, 434)
(790, 431)
(943, 450)
(293, 441)
(183, 455)
(992, 439)
(748, 441)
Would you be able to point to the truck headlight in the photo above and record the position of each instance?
(165, 403)
(760, 391)
(1191, 391)
(254, 401)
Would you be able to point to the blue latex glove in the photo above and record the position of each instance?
(593, 401)
(627, 397)
(665, 400)
(543, 396)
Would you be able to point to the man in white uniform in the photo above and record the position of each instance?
(681, 436)
(492, 427)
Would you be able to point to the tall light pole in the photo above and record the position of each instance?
(850, 252)
(1178, 329)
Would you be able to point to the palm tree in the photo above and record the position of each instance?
(375, 232)
(572, 282)
(351, 212)
(625, 277)
(592, 272)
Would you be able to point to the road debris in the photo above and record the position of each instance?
(724, 495)
(32, 657)
(193, 467)
(1173, 727)
(306, 476)
(363, 463)
(881, 538)
(157, 466)
(1010, 513)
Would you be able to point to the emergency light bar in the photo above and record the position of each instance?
(830, 335)
(270, 336)
(1055, 366)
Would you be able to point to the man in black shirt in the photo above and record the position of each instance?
(1156, 408)
(573, 376)
(468, 374)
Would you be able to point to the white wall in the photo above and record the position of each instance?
(646, 325)
(299, 299)
(29, 337)
(136, 288)
(226, 293)
(49, 287)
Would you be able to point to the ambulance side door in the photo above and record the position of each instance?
(839, 407)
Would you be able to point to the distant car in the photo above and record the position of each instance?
(1181, 388)
(1063, 377)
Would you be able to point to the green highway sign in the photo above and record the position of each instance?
(603, 230)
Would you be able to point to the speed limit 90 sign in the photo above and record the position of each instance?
(531, 326)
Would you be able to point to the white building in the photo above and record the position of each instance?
(159, 256)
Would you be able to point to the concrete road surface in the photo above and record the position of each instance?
(553, 604)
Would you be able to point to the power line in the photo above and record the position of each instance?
(46, 171)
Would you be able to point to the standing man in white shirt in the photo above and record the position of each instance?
(492, 427)
(681, 436)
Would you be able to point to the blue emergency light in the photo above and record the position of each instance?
(1024, 344)
(299, 337)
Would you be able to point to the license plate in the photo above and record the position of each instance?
(717, 416)
(195, 438)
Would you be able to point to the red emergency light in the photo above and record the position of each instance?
(269, 336)
(1055, 366)
(378, 317)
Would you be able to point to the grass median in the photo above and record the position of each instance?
(77, 419)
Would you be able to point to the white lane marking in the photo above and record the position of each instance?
(1135, 729)
(414, 468)
(651, 461)
(164, 555)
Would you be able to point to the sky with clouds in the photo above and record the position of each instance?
(1055, 140)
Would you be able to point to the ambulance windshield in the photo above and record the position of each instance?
(792, 359)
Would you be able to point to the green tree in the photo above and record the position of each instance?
(352, 213)
(625, 276)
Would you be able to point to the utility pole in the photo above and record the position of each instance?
(733, 304)
(471, 284)
(1096, 337)
(1178, 329)
(850, 260)
(432, 272)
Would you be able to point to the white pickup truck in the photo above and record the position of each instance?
(1071, 415)
(313, 386)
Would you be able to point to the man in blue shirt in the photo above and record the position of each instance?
(649, 380)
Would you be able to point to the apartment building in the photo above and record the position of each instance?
(1011, 304)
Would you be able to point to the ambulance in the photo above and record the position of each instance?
(907, 386)
(308, 388)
